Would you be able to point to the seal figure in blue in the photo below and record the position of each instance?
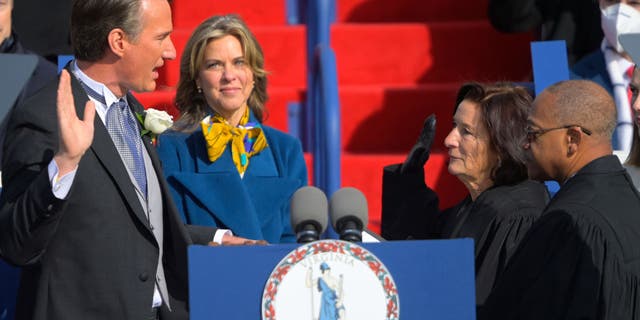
(330, 287)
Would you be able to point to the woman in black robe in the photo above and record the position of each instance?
(486, 155)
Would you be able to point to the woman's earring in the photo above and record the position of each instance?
(199, 90)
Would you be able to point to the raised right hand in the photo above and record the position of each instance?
(75, 135)
(420, 152)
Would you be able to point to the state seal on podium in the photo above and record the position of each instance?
(330, 280)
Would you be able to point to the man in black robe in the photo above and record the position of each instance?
(581, 260)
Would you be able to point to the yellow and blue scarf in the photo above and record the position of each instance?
(247, 139)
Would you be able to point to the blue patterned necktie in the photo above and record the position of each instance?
(123, 130)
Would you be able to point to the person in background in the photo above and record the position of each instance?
(611, 67)
(44, 26)
(486, 155)
(580, 260)
(577, 22)
(44, 72)
(10, 44)
(84, 210)
(633, 160)
(225, 168)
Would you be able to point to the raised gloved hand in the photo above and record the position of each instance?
(419, 154)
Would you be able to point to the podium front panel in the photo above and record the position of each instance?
(434, 278)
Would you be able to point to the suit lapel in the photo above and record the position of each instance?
(107, 154)
(137, 108)
(167, 203)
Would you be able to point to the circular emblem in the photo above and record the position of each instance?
(330, 279)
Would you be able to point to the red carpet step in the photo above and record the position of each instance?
(379, 119)
(189, 13)
(403, 54)
(273, 12)
(409, 10)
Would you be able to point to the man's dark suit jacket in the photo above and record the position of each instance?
(92, 255)
(45, 71)
(593, 67)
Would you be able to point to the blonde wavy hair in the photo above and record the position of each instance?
(191, 103)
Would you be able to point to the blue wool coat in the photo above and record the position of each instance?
(214, 194)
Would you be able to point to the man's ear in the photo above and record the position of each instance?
(117, 38)
(574, 140)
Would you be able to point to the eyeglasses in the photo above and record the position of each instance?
(532, 135)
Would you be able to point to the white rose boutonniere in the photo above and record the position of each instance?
(154, 122)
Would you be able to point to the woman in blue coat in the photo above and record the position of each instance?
(224, 167)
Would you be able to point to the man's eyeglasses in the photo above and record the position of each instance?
(532, 135)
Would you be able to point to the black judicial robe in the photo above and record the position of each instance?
(581, 260)
(497, 220)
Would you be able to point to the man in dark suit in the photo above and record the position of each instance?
(44, 26)
(581, 259)
(84, 209)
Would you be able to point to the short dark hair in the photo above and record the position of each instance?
(584, 103)
(505, 109)
(92, 20)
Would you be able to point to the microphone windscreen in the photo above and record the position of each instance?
(309, 204)
(348, 202)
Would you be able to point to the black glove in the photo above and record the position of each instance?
(419, 154)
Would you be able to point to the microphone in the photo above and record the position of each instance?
(309, 213)
(349, 213)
